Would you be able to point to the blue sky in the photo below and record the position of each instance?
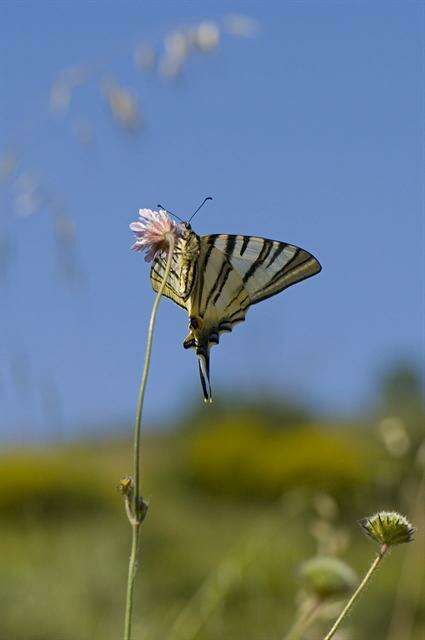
(310, 132)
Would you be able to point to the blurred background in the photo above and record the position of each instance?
(304, 121)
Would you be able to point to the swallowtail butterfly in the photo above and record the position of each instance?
(217, 278)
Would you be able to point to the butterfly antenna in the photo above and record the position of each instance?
(200, 207)
(170, 212)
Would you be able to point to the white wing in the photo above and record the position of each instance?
(265, 266)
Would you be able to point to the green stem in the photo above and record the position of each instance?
(305, 620)
(357, 592)
(137, 515)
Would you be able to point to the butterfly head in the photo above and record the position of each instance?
(187, 228)
(185, 224)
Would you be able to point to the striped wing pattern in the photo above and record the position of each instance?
(225, 275)
(221, 298)
(265, 266)
(180, 280)
(219, 301)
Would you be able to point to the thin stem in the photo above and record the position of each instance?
(357, 592)
(142, 389)
(304, 621)
(136, 511)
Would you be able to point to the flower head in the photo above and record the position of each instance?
(126, 487)
(388, 528)
(151, 232)
(327, 577)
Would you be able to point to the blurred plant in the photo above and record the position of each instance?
(332, 539)
(401, 433)
(206, 36)
(324, 579)
(123, 105)
(63, 86)
(29, 197)
(387, 528)
(240, 456)
(241, 26)
(50, 486)
(215, 587)
(25, 188)
(394, 436)
(178, 45)
(156, 233)
(408, 588)
(327, 577)
(401, 390)
(274, 414)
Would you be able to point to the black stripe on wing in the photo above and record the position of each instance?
(259, 262)
(172, 287)
(266, 266)
(221, 276)
(306, 269)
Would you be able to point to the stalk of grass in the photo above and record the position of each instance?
(304, 621)
(383, 550)
(213, 591)
(135, 506)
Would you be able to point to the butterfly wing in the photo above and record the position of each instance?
(219, 301)
(265, 266)
(184, 270)
(173, 289)
(229, 273)
(221, 298)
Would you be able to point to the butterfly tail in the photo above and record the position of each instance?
(204, 372)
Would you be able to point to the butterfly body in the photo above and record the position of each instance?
(216, 278)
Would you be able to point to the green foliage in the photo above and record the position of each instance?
(49, 485)
(243, 458)
(64, 578)
(266, 410)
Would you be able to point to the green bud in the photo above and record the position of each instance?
(388, 528)
(126, 487)
(327, 577)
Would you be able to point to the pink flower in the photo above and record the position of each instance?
(151, 232)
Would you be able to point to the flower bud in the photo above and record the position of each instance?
(388, 528)
(327, 577)
(126, 487)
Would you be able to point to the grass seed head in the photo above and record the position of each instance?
(388, 528)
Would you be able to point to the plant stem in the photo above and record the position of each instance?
(137, 507)
(304, 621)
(357, 592)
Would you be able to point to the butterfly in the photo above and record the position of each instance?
(216, 279)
